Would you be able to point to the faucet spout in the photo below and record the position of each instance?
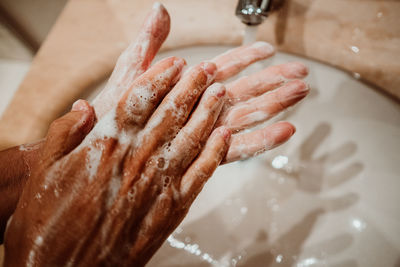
(253, 12)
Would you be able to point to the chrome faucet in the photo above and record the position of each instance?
(253, 12)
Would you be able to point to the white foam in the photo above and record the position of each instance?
(264, 45)
(143, 94)
(105, 128)
(156, 5)
(32, 253)
(215, 88)
(39, 240)
(93, 159)
(144, 47)
(254, 117)
(113, 189)
(29, 147)
(31, 258)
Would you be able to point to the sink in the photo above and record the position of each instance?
(328, 197)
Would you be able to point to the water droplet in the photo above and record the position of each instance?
(358, 224)
(307, 262)
(279, 258)
(279, 162)
(356, 75)
(355, 49)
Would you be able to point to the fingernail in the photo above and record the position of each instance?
(298, 87)
(211, 70)
(79, 105)
(217, 89)
(179, 62)
(221, 93)
(303, 86)
(295, 70)
(209, 67)
(293, 129)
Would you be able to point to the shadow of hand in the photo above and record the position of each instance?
(313, 173)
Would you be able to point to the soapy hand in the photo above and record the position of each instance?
(115, 194)
(251, 100)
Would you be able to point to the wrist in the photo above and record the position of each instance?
(16, 164)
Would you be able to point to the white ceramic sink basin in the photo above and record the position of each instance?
(329, 197)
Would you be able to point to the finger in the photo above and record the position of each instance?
(139, 102)
(135, 59)
(190, 140)
(67, 132)
(176, 107)
(247, 145)
(263, 107)
(170, 115)
(235, 60)
(266, 80)
(203, 167)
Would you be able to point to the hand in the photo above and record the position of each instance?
(17, 163)
(114, 196)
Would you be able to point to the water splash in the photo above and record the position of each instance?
(279, 258)
(358, 224)
(193, 249)
(308, 262)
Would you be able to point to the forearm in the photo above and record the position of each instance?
(15, 166)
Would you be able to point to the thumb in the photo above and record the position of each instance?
(67, 132)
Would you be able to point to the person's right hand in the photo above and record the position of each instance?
(114, 196)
